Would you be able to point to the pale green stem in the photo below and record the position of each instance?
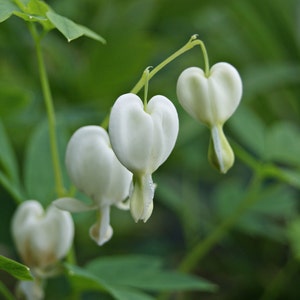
(105, 122)
(194, 41)
(195, 255)
(146, 76)
(268, 169)
(50, 112)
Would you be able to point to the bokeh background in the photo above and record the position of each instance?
(261, 39)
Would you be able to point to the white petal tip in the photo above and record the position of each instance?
(100, 239)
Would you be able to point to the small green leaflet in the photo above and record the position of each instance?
(40, 12)
(70, 29)
(7, 8)
(15, 269)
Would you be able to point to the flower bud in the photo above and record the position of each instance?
(212, 100)
(143, 138)
(42, 238)
(95, 170)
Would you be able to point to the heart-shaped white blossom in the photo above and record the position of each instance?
(95, 170)
(143, 136)
(212, 99)
(42, 237)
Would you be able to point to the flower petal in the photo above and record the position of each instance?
(165, 129)
(220, 153)
(73, 205)
(131, 133)
(143, 138)
(42, 238)
(141, 199)
(94, 167)
(213, 99)
(101, 231)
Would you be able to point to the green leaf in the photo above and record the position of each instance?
(121, 293)
(261, 79)
(129, 277)
(146, 273)
(116, 265)
(292, 177)
(35, 11)
(70, 29)
(7, 8)
(9, 173)
(14, 268)
(12, 188)
(38, 8)
(83, 280)
(8, 162)
(38, 168)
(249, 129)
(5, 292)
(279, 142)
(39, 11)
(283, 143)
(13, 98)
(275, 204)
(293, 233)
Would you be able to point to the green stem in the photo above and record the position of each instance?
(146, 79)
(194, 41)
(245, 157)
(200, 250)
(50, 111)
(268, 169)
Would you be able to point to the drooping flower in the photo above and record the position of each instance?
(212, 99)
(42, 237)
(142, 137)
(95, 170)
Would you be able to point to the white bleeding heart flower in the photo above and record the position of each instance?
(212, 99)
(42, 237)
(95, 170)
(142, 137)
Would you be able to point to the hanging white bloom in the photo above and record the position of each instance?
(30, 290)
(212, 99)
(42, 237)
(142, 136)
(95, 170)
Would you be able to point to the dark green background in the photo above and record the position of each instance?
(260, 38)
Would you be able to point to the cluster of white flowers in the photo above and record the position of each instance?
(116, 167)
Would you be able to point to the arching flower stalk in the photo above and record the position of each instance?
(142, 136)
(95, 170)
(211, 98)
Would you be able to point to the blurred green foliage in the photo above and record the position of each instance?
(261, 39)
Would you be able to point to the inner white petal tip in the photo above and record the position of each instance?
(100, 239)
